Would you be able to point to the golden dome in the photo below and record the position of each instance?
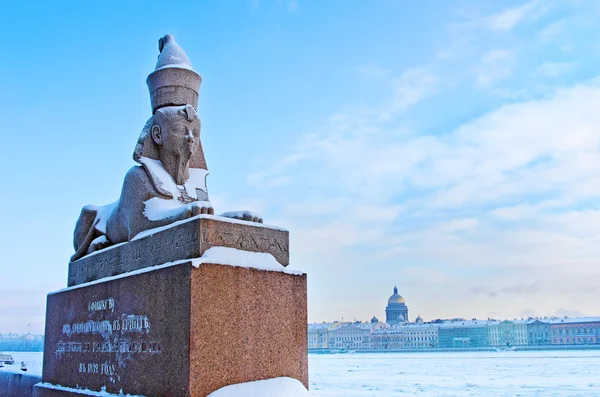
(396, 297)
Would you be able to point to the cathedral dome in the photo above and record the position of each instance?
(396, 298)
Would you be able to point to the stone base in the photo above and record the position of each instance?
(181, 240)
(177, 330)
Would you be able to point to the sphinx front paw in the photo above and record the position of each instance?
(202, 207)
(244, 216)
(98, 243)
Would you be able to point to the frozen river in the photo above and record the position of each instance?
(487, 374)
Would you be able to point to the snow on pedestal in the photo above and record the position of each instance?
(241, 258)
(276, 387)
(81, 391)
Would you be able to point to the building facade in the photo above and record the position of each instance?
(318, 335)
(420, 335)
(406, 336)
(390, 339)
(538, 331)
(460, 333)
(452, 334)
(493, 329)
(575, 331)
(396, 311)
(521, 337)
(342, 335)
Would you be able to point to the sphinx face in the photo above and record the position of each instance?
(180, 137)
(176, 131)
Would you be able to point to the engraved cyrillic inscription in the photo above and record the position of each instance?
(104, 304)
(119, 333)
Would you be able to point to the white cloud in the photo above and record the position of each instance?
(554, 31)
(511, 17)
(341, 139)
(459, 224)
(495, 65)
(514, 213)
(412, 87)
(503, 21)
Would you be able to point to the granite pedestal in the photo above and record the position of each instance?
(176, 329)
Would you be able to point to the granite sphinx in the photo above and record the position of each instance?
(169, 184)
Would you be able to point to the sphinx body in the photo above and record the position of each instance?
(158, 192)
(170, 183)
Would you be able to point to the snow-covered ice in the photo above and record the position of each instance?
(472, 374)
(488, 374)
(32, 360)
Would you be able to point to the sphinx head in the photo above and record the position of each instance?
(176, 133)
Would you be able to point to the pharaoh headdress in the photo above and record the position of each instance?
(173, 83)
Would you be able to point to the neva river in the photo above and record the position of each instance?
(481, 374)
(487, 374)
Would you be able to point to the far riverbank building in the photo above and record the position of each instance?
(396, 311)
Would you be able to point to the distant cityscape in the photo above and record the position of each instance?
(398, 333)
(25, 342)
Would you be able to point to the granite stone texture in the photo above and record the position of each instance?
(173, 83)
(173, 86)
(246, 324)
(177, 330)
(183, 240)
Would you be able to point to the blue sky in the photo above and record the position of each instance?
(449, 148)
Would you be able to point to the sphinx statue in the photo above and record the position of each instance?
(169, 184)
